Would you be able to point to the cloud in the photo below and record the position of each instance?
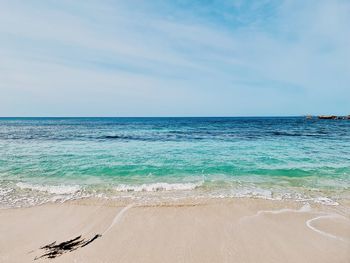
(174, 57)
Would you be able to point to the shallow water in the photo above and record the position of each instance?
(57, 159)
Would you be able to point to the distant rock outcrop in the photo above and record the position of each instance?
(327, 117)
(333, 117)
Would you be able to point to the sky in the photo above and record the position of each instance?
(174, 58)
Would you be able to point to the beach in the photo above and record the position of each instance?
(269, 189)
(175, 131)
(212, 230)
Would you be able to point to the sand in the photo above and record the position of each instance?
(220, 230)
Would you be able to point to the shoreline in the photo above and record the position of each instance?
(28, 194)
(212, 230)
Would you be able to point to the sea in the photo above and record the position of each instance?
(45, 160)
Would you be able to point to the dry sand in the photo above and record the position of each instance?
(225, 230)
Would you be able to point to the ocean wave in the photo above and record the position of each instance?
(51, 189)
(22, 194)
(298, 134)
(156, 187)
(122, 137)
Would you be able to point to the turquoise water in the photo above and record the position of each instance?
(147, 159)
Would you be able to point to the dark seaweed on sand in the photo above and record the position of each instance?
(53, 250)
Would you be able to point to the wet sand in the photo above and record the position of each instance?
(221, 230)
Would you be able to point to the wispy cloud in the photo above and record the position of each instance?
(174, 57)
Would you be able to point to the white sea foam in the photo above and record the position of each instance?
(325, 201)
(309, 225)
(305, 208)
(23, 193)
(52, 189)
(155, 187)
(255, 192)
(117, 217)
(5, 191)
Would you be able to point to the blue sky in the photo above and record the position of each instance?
(174, 58)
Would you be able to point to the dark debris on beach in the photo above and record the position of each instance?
(54, 250)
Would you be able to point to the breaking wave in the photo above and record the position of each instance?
(156, 187)
(51, 189)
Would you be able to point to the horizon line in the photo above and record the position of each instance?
(177, 116)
